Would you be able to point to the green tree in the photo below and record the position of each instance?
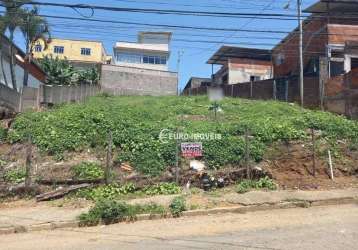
(59, 72)
(12, 20)
(34, 29)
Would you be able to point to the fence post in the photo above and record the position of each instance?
(21, 100)
(38, 99)
(51, 88)
(247, 154)
(251, 89)
(330, 164)
(274, 90)
(28, 164)
(286, 90)
(109, 159)
(177, 161)
(313, 152)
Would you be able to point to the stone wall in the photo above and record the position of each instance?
(120, 80)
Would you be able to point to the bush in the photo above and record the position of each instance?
(87, 171)
(106, 211)
(111, 211)
(177, 206)
(15, 176)
(162, 189)
(114, 191)
(3, 134)
(263, 183)
(106, 192)
(61, 72)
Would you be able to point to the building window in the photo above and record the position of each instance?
(58, 49)
(38, 48)
(128, 58)
(162, 60)
(354, 63)
(86, 51)
(280, 59)
(139, 58)
(336, 68)
(255, 78)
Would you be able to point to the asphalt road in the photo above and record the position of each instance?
(330, 227)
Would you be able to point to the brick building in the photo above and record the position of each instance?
(239, 65)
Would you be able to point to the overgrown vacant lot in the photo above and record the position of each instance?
(136, 123)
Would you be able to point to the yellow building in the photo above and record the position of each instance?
(80, 53)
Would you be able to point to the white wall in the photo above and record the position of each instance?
(19, 72)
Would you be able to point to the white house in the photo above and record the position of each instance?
(151, 51)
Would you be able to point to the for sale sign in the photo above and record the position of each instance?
(191, 150)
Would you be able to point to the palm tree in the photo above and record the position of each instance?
(35, 29)
(13, 19)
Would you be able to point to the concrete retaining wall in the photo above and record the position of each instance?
(9, 98)
(119, 80)
(57, 94)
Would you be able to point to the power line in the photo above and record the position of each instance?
(161, 11)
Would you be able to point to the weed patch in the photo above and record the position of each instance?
(136, 123)
(112, 211)
(15, 176)
(87, 171)
(264, 183)
(177, 206)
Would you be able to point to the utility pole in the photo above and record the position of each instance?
(180, 54)
(300, 24)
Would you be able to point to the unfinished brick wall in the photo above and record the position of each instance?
(314, 42)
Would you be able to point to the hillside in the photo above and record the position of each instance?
(136, 123)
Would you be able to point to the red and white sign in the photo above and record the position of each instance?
(191, 150)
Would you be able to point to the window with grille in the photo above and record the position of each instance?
(85, 51)
(58, 49)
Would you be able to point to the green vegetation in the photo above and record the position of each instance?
(264, 183)
(162, 189)
(115, 191)
(136, 123)
(177, 206)
(3, 134)
(61, 72)
(111, 211)
(88, 171)
(15, 176)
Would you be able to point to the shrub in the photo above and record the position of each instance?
(114, 191)
(263, 183)
(3, 134)
(162, 189)
(106, 211)
(61, 72)
(106, 192)
(112, 211)
(177, 206)
(151, 209)
(15, 176)
(87, 171)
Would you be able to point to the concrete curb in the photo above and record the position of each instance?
(202, 212)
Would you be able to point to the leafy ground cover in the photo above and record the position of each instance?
(263, 183)
(111, 211)
(136, 124)
(88, 171)
(115, 191)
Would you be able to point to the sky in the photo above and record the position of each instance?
(194, 46)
